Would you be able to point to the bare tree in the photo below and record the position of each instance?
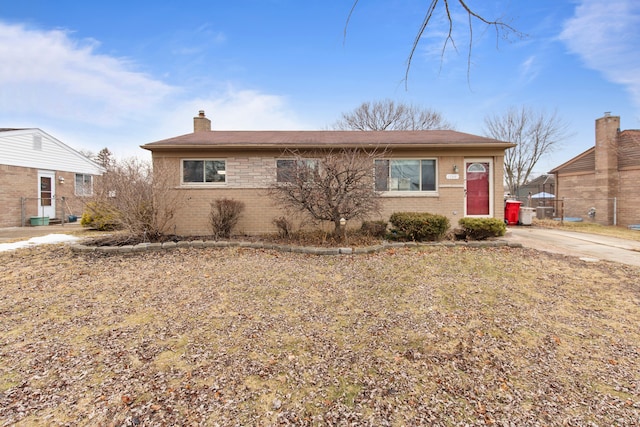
(136, 197)
(387, 115)
(87, 153)
(329, 185)
(534, 133)
(502, 28)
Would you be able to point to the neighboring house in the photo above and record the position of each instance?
(602, 183)
(544, 187)
(437, 171)
(41, 176)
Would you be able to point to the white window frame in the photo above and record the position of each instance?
(81, 191)
(409, 192)
(203, 183)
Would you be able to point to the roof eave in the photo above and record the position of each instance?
(557, 169)
(280, 146)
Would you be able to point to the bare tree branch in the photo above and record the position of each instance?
(501, 28)
(330, 184)
(387, 115)
(534, 133)
(138, 197)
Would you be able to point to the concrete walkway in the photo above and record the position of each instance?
(590, 247)
(12, 234)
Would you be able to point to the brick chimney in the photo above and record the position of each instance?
(606, 177)
(201, 123)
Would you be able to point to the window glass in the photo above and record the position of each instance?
(203, 171)
(382, 175)
(405, 175)
(286, 169)
(429, 175)
(214, 171)
(84, 185)
(192, 170)
(476, 167)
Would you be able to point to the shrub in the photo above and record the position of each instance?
(482, 228)
(285, 228)
(374, 228)
(100, 216)
(136, 197)
(418, 226)
(224, 216)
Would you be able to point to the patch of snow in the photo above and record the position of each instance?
(42, 240)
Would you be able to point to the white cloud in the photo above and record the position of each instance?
(90, 100)
(248, 110)
(49, 73)
(529, 69)
(606, 35)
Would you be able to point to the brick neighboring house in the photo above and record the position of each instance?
(438, 171)
(41, 176)
(609, 170)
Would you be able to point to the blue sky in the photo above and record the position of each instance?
(119, 74)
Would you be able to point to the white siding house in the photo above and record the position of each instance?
(41, 176)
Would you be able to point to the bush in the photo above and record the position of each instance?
(100, 216)
(285, 227)
(224, 216)
(374, 228)
(418, 226)
(482, 228)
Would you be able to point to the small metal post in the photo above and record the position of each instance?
(22, 211)
(63, 214)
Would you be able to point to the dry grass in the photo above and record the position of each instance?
(587, 227)
(432, 336)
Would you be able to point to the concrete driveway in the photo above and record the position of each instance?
(590, 247)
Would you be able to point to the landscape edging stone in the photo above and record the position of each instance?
(312, 250)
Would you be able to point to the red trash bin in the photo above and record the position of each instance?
(511, 212)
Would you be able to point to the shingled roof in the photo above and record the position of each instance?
(325, 139)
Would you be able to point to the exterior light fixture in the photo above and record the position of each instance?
(343, 222)
(61, 179)
(455, 169)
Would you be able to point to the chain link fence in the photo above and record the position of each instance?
(31, 207)
(601, 211)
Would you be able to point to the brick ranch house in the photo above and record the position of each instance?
(437, 171)
(610, 169)
(41, 176)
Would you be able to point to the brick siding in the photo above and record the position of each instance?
(249, 177)
(18, 182)
(629, 197)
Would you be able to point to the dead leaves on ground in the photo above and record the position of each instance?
(436, 336)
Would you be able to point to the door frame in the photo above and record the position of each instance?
(489, 160)
(49, 211)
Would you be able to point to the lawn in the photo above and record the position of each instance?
(592, 228)
(437, 336)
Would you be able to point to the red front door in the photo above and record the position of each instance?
(477, 188)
